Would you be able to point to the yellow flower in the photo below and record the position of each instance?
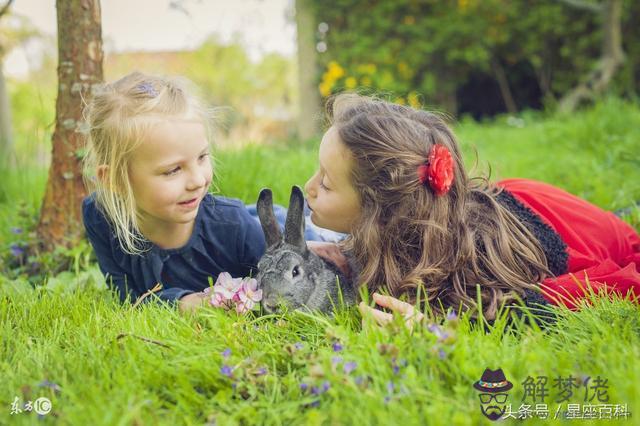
(413, 100)
(365, 81)
(335, 70)
(350, 82)
(409, 20)
(325, 89)
(399, 100)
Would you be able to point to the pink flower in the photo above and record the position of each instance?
(229, 293)
(243, 308)
(227, 285)
(217, 300)
(250, 295)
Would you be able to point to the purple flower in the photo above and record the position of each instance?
(438, 332)
(451, 316)
(387, 399)
(325, 386)
(16, 250)
(337, 347)
(304, 387)
(390, 387)
(336, 360)
(349, 367)
(359, 380)
(226, 371)
(47, 384)
(315, 403)
(442, 354)
(226, 353)
(16, 230)
(261, 371)
(396, 369)
(298, 345)
(315, 390)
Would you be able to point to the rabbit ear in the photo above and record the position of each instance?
(268, 220)
(294, 226)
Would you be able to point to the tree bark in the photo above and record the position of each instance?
(6, 128)
(309, 115)
(79, 70)
(612, 57)
(503, 84)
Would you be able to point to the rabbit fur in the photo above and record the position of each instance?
(289, 272)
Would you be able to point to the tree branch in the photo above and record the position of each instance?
(5, 8)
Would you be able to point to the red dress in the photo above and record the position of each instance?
(600, 247)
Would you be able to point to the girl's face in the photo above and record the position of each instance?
(170, 173)
(332, 198)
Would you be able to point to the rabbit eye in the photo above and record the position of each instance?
(296, 271)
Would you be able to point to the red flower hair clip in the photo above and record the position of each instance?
(438, 171)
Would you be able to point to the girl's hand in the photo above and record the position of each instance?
(191, 302)
(332, 253)
(409, 313)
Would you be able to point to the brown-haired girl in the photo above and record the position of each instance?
(392, 177)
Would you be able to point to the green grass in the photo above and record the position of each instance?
(71, 332)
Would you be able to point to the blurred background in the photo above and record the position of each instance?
(467, 57)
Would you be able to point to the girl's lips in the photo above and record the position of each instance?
(189, 203)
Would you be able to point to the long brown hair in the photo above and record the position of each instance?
(409, 238)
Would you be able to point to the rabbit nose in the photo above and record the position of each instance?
(270, 305)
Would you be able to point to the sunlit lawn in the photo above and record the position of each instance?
(101, 363)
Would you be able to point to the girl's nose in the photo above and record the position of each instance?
(309, 188)
(197, 180)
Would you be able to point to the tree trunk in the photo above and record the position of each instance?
(610, 61)
(503, 84)
(309, 114)
(79, 70)
(6, 129)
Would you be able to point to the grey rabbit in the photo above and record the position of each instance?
(289, 272)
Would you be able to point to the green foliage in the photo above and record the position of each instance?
(100, 363)
(63, 337)
(423, 51)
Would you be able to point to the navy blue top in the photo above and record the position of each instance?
(225, 238)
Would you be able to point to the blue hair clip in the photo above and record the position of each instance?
(148, 89)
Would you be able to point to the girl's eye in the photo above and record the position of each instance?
(323, 186)
(171, 172)
(203, 156)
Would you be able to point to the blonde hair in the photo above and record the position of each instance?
(412, 241)
(120, 115)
